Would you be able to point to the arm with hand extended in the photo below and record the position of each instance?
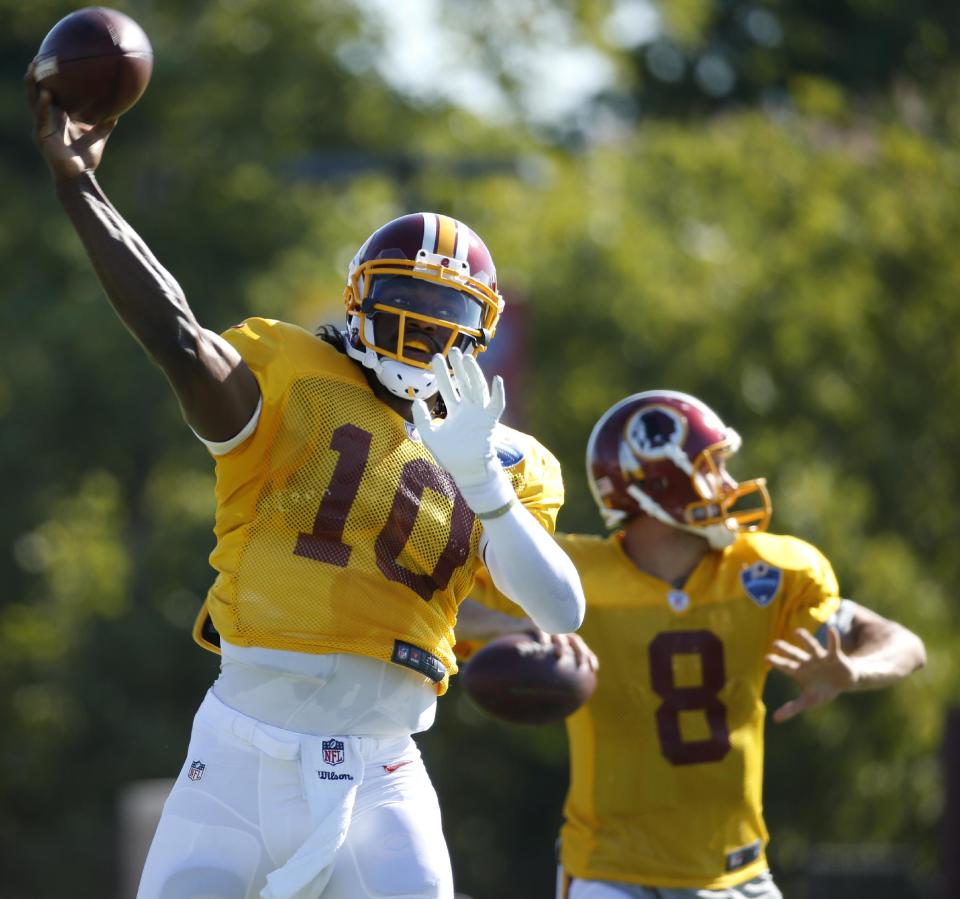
(874, 652)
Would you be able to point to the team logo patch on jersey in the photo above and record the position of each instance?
(678, 601)
(196, 770)
(761, 582)
(509, 454)
(332, 751)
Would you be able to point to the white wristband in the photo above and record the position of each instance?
(490, 498)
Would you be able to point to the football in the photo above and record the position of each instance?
(518, 679)
(96, 62)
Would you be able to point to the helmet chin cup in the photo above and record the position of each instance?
(406, 381)
(719, 536)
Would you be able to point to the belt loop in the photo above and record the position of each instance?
(286, 750)
(243, 728)
(248, 730)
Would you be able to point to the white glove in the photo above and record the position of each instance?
(463, 441)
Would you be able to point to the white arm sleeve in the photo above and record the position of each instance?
(527, 566)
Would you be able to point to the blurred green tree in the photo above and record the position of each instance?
(797, 271)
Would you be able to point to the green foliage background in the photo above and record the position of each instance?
(785, 250)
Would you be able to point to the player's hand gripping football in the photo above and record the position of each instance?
(583, 655)
(69, 148)
(822, 673)
(463, 442)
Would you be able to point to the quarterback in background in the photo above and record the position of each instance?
(690, 603)
(363, 477)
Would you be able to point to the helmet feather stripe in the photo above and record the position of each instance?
(447, 236)
(429, 232)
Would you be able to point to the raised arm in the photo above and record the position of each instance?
(217, 391)
(524, 562)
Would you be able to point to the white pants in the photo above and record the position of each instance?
(760, 887)
(259, 811)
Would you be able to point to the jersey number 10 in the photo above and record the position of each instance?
(325, 542)
(702, 697)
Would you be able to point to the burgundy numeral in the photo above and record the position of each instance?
(325, 542)
(417, 476)
(702, 697)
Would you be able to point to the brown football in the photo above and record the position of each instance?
(96, 62)
(520, 680)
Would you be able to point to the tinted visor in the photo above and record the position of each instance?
(423, 298)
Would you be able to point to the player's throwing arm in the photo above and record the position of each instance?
(216, 390)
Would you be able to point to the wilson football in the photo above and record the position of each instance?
(518, 679)
(96, 62)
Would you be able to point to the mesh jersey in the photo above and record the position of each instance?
(336, 529)
(667, 756)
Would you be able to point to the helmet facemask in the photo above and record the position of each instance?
(733, 505)
(402, 313)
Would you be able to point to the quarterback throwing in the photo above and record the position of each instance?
(363, 478)
(690, 603)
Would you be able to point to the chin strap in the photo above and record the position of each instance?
(402, 380)
(718, 536)
(406, 381)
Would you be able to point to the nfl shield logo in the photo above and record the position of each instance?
(332, 751)
(761, 582)
(196, 770)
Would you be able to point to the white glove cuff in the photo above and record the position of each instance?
(490, 498)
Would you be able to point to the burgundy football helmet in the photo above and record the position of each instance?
(663, 453)
(395, 327)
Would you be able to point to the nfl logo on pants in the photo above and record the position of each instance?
(332, 751)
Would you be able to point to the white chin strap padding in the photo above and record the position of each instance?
(402, 380)
(406, 381)
(718, 536)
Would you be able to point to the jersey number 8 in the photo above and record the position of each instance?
(701, 697)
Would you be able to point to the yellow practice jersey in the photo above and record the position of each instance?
(666, 758)
(337, 531)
